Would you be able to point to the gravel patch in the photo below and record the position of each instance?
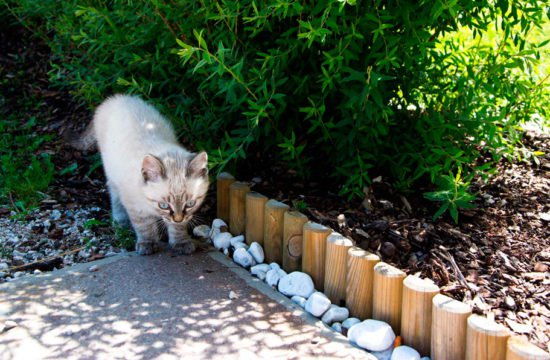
(46, 240)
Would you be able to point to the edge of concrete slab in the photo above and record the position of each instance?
(294, 308)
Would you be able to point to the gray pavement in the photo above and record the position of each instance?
(159, 307)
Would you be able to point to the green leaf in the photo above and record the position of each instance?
(440, 211)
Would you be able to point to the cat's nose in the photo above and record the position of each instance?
(178, 218)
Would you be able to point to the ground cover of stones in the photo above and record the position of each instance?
(376, 337)
(496, 259)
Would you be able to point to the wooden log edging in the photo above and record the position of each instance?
(449, 324)
(293, 225)
(485, 339)
(223, 181)
(434, 324)
(336, 267)
(273, 230)
(360, 282)
(388, 294)
(237, 207)
(255, 205)
(314, 252)
(416, 313)
(520, 349)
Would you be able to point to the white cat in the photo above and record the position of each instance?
(153, 181)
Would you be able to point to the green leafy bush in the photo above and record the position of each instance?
(25, 171)
(413, 89)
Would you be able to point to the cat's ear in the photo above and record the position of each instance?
(198, 166)
(152, 169)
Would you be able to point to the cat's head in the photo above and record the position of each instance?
(175, 184)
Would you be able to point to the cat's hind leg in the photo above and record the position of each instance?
(179, 239)
(147, 233)
(120, 215)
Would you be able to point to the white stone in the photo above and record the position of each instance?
(383, 355)
(217, 224)
(274, 266)
(261, 275)
(299, 300)
(222, 240)
(261, 267)
(232, 295)
(405, 353)
(18, 274)
(237, 240)
(37, 272)
(55, 214)
(226, 252)
(425, 358)
(93, 268)
(241, 245)
(260, 270)
(335, 314)
(18, 254)
(317, 304)
(337, 327)
(349, 322)
(4, 266)
(372, 335)
(3, 274)
(257, 252)
(243, 258)
(297, 283)
(201, 231)
(273, 276)
(213, 233)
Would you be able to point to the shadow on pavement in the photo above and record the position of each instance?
(153, 307)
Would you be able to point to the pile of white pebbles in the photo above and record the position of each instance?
(377, 337)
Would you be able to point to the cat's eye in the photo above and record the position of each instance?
(190, 204)
(164, 206)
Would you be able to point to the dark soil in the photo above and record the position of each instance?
(497, 258)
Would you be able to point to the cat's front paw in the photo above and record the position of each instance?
(146, 248)
(184, 247)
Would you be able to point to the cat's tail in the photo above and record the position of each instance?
(84, 141)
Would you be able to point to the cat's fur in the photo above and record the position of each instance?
(147, 170)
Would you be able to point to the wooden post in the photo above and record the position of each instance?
(416, 313)
(255, 208)
(387, 295)
(520, 349)
(314, 252)
(273, 230)
(223, 181)
(449, 323)
(336, 268)
(237, 207)
(485, 339)
(292, 240)
(360, 278)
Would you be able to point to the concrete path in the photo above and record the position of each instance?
(159, 307)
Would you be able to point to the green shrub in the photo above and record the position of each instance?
(26, 172)
(413, 89)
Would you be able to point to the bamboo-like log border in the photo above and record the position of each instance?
(470, 336)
